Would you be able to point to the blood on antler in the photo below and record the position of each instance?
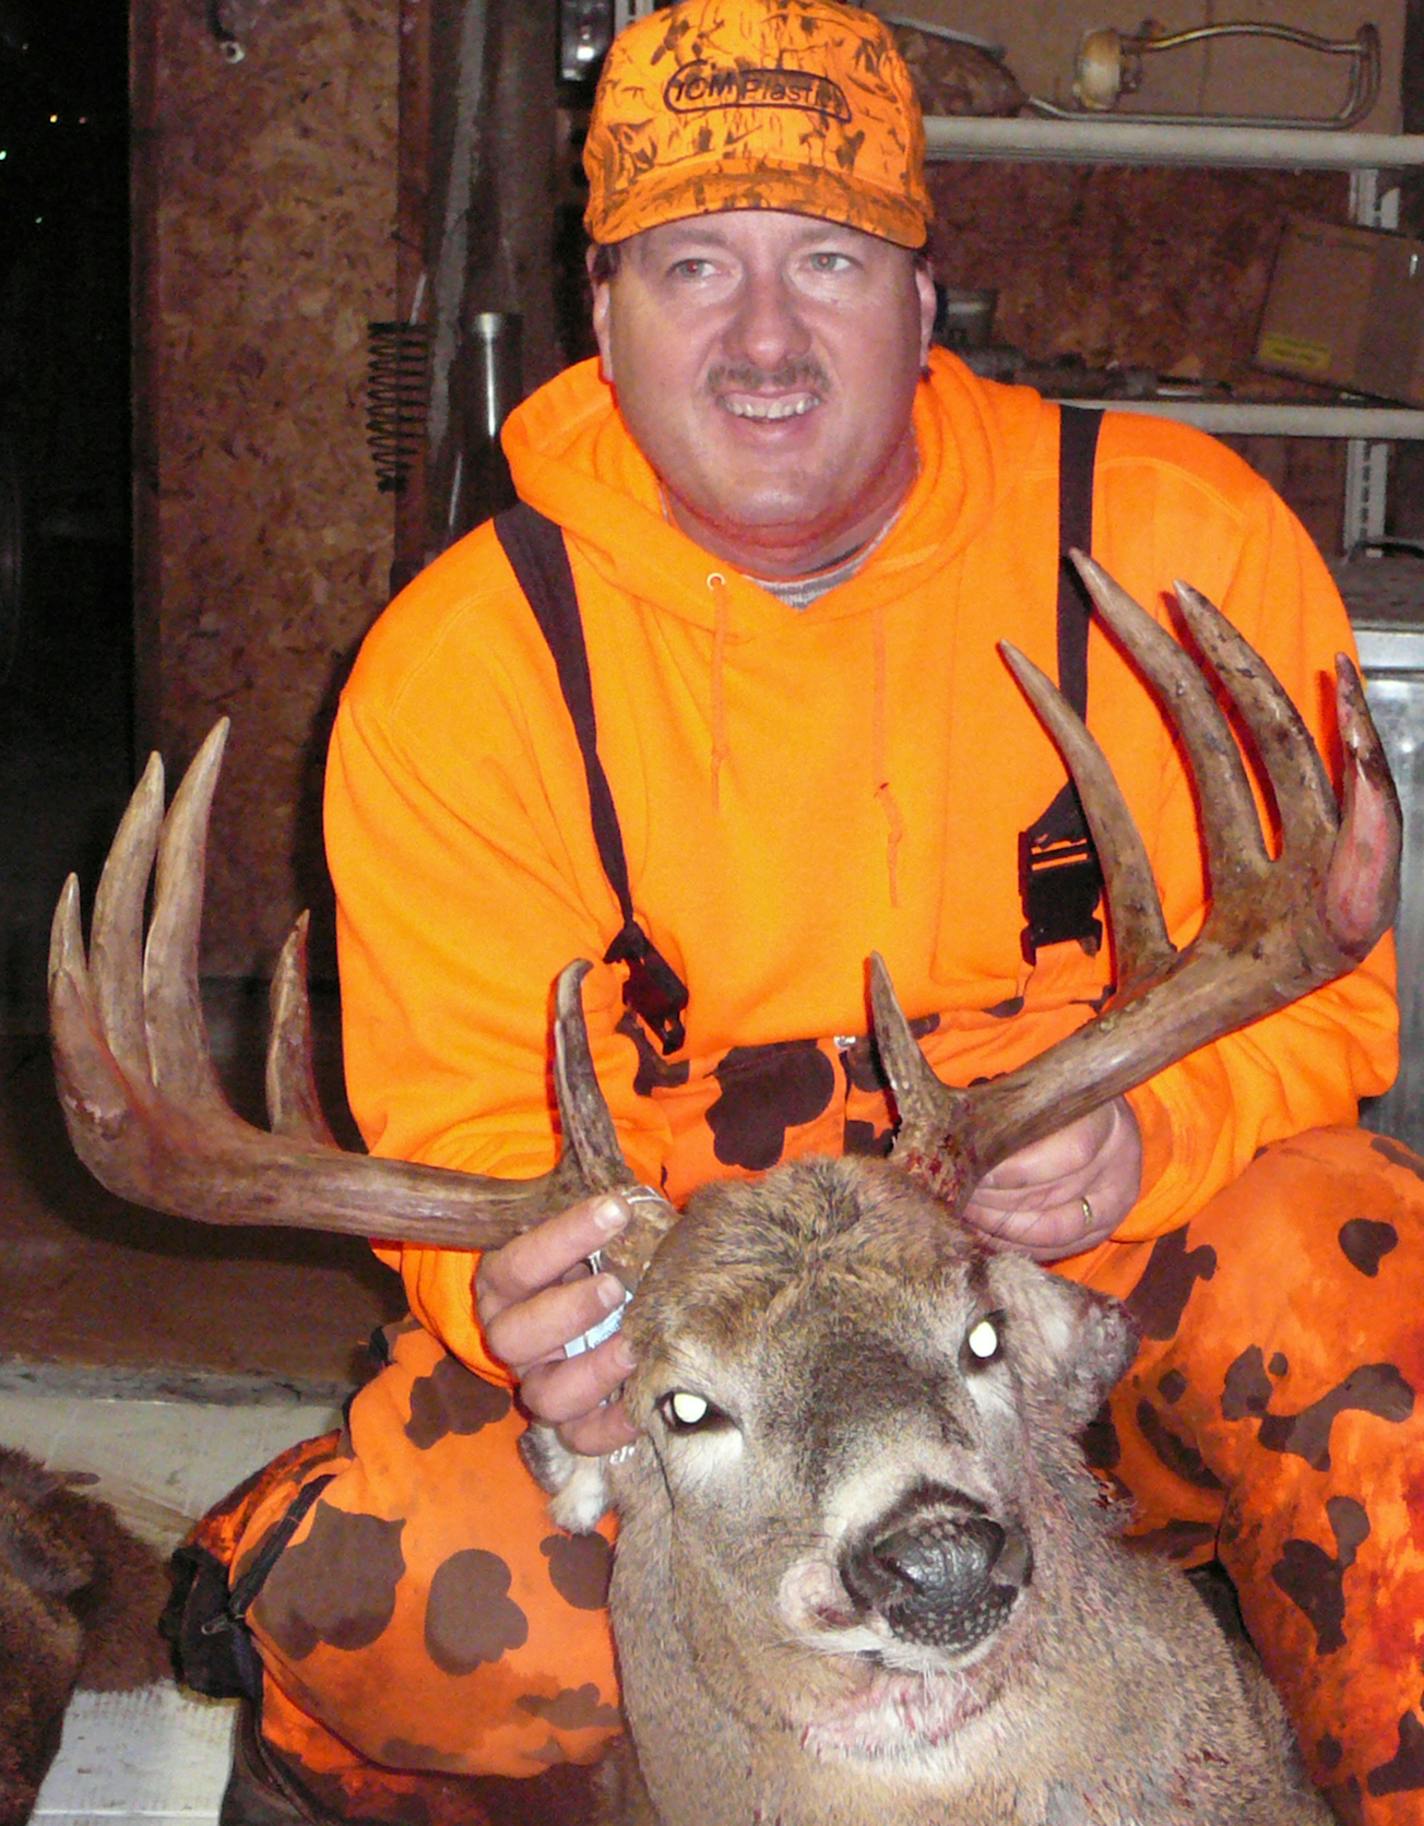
(1277, 926)
(148, 1117)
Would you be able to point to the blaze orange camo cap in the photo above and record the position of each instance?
(802, 105)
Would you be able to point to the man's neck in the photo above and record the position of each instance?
(786, 554)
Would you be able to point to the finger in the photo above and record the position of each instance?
(601, 1432)
(1075, 1149)
(537, 1328)
(543, 1255)
(1054, 1157)
(565, 1392)
(1044, 1236)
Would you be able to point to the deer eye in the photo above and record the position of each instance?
(685, 1412)
(984, 1341)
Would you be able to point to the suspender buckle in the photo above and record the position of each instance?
(1059, 884)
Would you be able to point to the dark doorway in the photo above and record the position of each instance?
(66, 643)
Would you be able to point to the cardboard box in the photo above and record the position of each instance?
(1346, 308)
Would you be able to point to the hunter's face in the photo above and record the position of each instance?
(766, 364)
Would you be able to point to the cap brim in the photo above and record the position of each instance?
(801, 190)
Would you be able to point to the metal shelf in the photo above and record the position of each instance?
(1266, 418)
(1119, 142)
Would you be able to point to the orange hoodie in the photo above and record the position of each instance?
(795, 790)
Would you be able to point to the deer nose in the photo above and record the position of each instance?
(947, 1581)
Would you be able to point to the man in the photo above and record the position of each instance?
(796, 534)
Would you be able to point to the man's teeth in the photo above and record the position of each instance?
(771, 408)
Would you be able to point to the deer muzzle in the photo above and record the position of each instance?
(945, 1576)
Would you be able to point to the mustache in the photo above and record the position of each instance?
(746, 376)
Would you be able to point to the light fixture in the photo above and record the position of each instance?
(1109, 65)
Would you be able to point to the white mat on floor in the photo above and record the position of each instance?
(152, 1756)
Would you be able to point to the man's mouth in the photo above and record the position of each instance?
(768, 410)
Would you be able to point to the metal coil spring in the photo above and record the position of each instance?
(397, 377)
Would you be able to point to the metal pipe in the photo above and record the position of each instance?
(1266, 418)
(1099, 139)
(496, 349)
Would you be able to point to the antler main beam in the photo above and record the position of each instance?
(1278, 926)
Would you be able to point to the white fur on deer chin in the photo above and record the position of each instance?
(896, 1717)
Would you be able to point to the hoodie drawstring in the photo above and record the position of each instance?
(879, 757)
(717, 584)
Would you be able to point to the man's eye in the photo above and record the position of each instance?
(685, 1412)
(827, 261)
(691, 268)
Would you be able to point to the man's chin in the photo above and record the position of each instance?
(769, 532)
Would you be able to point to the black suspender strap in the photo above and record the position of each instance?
(539, 558)
(1060, 880)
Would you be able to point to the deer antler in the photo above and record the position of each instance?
(1277, 927)
(148, 1117)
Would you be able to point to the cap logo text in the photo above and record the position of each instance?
(700, 86)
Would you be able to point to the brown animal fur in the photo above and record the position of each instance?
(769, 1675)
(79, 1603)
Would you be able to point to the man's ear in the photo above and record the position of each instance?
(602, 306)
(924, 285)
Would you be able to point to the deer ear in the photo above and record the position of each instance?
(1081, 1342)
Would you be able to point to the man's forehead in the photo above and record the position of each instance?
(726, 227)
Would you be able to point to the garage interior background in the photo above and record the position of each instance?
(304, 170)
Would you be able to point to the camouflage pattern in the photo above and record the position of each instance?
(799, 105)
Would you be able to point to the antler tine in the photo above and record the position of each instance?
(150, 1137)
(932, 1115)
(1276, 928)
(177, 1033)
(293, 1106)
(1231, 827)
(589, 1135)
(88, 1079)
(921, 1100)
(1363, 877)
(1141, 947)
(116, 935)
(590, 1139)
(1305, 803)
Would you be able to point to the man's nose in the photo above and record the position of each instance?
(768, 327)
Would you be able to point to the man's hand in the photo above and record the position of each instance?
(1067, 1192)
(535, 1295)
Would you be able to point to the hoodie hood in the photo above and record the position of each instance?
(572, 459)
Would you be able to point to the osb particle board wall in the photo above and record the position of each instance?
(264, 200)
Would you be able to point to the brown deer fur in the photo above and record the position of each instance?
(80, 1599)
(835, 1317)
